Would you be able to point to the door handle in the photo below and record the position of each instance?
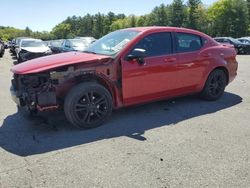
(170, 60)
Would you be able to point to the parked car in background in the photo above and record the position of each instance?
(74, 45)
(5, 45)
(12, 46)
(240, 47)
(55, 45)
(16, 45)
(2, 48)
(124, 68)
(244, 40)
(32, 48)
(88, 40)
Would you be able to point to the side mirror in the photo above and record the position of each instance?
(138, 55)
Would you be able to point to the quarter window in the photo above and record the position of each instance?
(156, 44)
(188, 42)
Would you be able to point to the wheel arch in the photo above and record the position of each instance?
(100, 79)
(206, 76)
(224, 69)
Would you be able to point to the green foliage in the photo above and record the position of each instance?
(177, 13)
(229, 18)
(159, 16)
(223, 18)
(8, 33)
(193, 6)
(62, 30)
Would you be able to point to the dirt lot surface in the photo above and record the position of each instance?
(184, 142)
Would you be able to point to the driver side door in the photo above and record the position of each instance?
(153, 78)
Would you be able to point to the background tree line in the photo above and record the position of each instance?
(223, 18)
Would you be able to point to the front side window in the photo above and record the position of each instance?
(188, 42)
(156, 44)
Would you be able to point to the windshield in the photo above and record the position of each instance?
(245, 41)
(112, 43)
(33, 43)
(78, 43)
(56, 43)
(235, 41)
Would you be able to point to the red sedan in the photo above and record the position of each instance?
(125, 67)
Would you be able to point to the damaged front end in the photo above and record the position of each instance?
(34, 91)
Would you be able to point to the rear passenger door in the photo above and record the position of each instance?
(191, 64)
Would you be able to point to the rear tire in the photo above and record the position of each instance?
(215, 85)
(88, 105)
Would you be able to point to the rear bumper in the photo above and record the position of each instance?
(233, 68)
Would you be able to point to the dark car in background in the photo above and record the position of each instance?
(241, 48)
(32, 48)
(244, 40)
(6, 45)
(55, 45)
(11, 46)
(2, 48)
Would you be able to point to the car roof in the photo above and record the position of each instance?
(245, 38)
(31, 39)
(22, 37)
(222, 37)
(166, 28)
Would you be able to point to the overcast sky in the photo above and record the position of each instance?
(44, 15)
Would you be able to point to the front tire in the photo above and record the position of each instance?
(215, 85)
(88, 105)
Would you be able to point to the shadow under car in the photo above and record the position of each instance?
(51, 131)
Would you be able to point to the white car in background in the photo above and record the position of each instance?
(32, 48)
(17, 44)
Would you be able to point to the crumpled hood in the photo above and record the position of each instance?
(36, 49)
(54, 61)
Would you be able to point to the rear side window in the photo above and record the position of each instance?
(156, 44)
(188, 42)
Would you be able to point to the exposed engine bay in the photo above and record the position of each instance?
(34, 91)
(39, 91)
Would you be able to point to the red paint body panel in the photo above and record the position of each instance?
(160, 77)
(54, 61)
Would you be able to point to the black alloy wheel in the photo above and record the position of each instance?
(215, 85)
(88, 105)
